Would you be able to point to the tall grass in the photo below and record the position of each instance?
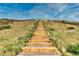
(63, 38)
(74, 49)
(55, 38)
(12, 48)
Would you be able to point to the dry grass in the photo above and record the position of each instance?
(62, 36)
(9, 37)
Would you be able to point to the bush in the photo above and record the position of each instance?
(12, 48)
(9, 47)
(70, 28)
(29, 35)
(6, 26)
(1, 28)
(52, 29)
(49, 28)
(74, 49)
(22, 40)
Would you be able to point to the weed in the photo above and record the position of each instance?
(70, 28)
(6, 27)
(73, 49)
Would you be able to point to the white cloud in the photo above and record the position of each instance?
(43, 11)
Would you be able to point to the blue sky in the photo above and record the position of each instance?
(39, 10)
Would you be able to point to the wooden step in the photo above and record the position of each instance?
(40, 37)
(40, 44)
(38, 54)
(38, 49)
(40, 40)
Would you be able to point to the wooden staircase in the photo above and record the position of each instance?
(39, 44)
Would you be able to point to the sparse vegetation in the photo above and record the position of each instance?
(15, 34)
(61, 37)
(16, 38)
(6, 27)
(70, 28)
(74, 49)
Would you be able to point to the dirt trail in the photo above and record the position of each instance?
(39, 44)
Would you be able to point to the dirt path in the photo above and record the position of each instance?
(39, 44)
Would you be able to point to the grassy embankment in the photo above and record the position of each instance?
(64, 36)
(14, 35)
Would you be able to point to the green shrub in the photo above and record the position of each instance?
(22, 40)
(9, 47)
(1, 28)
(6, 27)
(74, 49)
(29, 35)
(70, 28)
(12, 48)
(51, 29)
